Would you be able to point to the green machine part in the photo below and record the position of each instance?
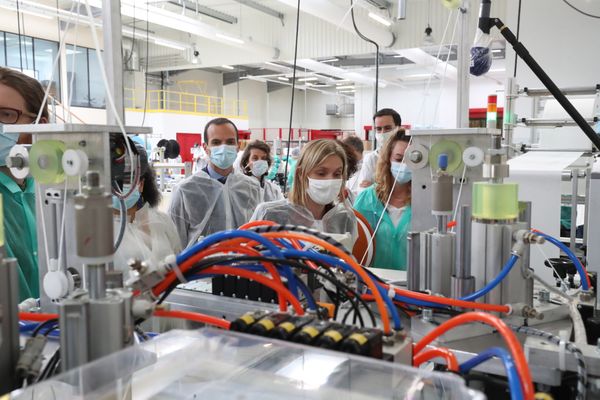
(495, 201)
(452, 149)
(45, 161)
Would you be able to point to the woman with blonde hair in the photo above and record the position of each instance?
(386, 204)
(316, 199)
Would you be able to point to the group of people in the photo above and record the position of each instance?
(331, 185)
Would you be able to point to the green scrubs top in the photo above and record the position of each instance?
(390, 240)
(20, 232)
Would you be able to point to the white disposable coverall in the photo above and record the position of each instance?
(201, 205)
(150, 237)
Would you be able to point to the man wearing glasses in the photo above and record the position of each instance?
(20, 101)
(386, 123)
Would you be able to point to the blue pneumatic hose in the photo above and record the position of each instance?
(495, 282)
(514, 381)
(569, 253)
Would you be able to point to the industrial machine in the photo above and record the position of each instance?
(473, 304)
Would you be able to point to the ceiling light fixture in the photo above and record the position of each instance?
(283, 78)
(379, 19)
(229, 67)
(398, 56)
(273, 64)
(334, 59)
(229, 38)
(311, 79)
(166, 43)
(345, 87)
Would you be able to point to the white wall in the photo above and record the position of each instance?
(255, 95)
(167, 125)
(419, 107)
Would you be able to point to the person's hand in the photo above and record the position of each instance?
(365, 184)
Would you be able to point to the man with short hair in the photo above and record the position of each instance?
(386, 122)
(216, 198)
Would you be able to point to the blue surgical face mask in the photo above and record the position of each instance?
(401, 172)
(223, 156)
(130, 201)
(7, 141)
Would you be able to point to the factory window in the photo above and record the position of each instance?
(44, 53)
(35, 57)
(19, 53)
(83, 73)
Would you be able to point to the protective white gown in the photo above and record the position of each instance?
(201, 205)
(340, 219)
(150, 237)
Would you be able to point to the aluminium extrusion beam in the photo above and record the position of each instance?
(262, 8)
(113, 59)
(204, 10)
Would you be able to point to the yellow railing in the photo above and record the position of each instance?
(184, 103)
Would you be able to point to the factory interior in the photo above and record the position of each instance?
(299, 199)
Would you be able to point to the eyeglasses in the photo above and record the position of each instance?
(10, 116)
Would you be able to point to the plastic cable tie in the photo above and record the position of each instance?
(178, 273)
(392, 292)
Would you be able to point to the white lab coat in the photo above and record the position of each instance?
(368, 170)
(201, 206)
(150, 237)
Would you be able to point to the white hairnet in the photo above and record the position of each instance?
(201, 205)
(150, 237)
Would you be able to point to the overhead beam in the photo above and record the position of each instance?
(262, 8)
(204, 10)
(328, 11)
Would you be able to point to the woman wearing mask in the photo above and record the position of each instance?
(20, 102)
(150, 234)
(256, 161)
(386, 204)
(315, 200)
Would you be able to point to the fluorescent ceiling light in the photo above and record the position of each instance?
(283, 78)
(398, 56)
(229, 38)
(311, 79)
(496, 50)
(166, 43)
(345, 87)
(417, 76)
(274, 65)
(342, 82)
(347, 91)
(229, 67)
(498, 70)
(379, 19)
(331, 60)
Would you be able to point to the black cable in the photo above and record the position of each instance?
(132, 39)
(207, 263)
(578, 10)
(50, 367)
(147, 63)
(42, 325)
(19, 31)
(366, 39)
(518, 32)
(289, 143)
